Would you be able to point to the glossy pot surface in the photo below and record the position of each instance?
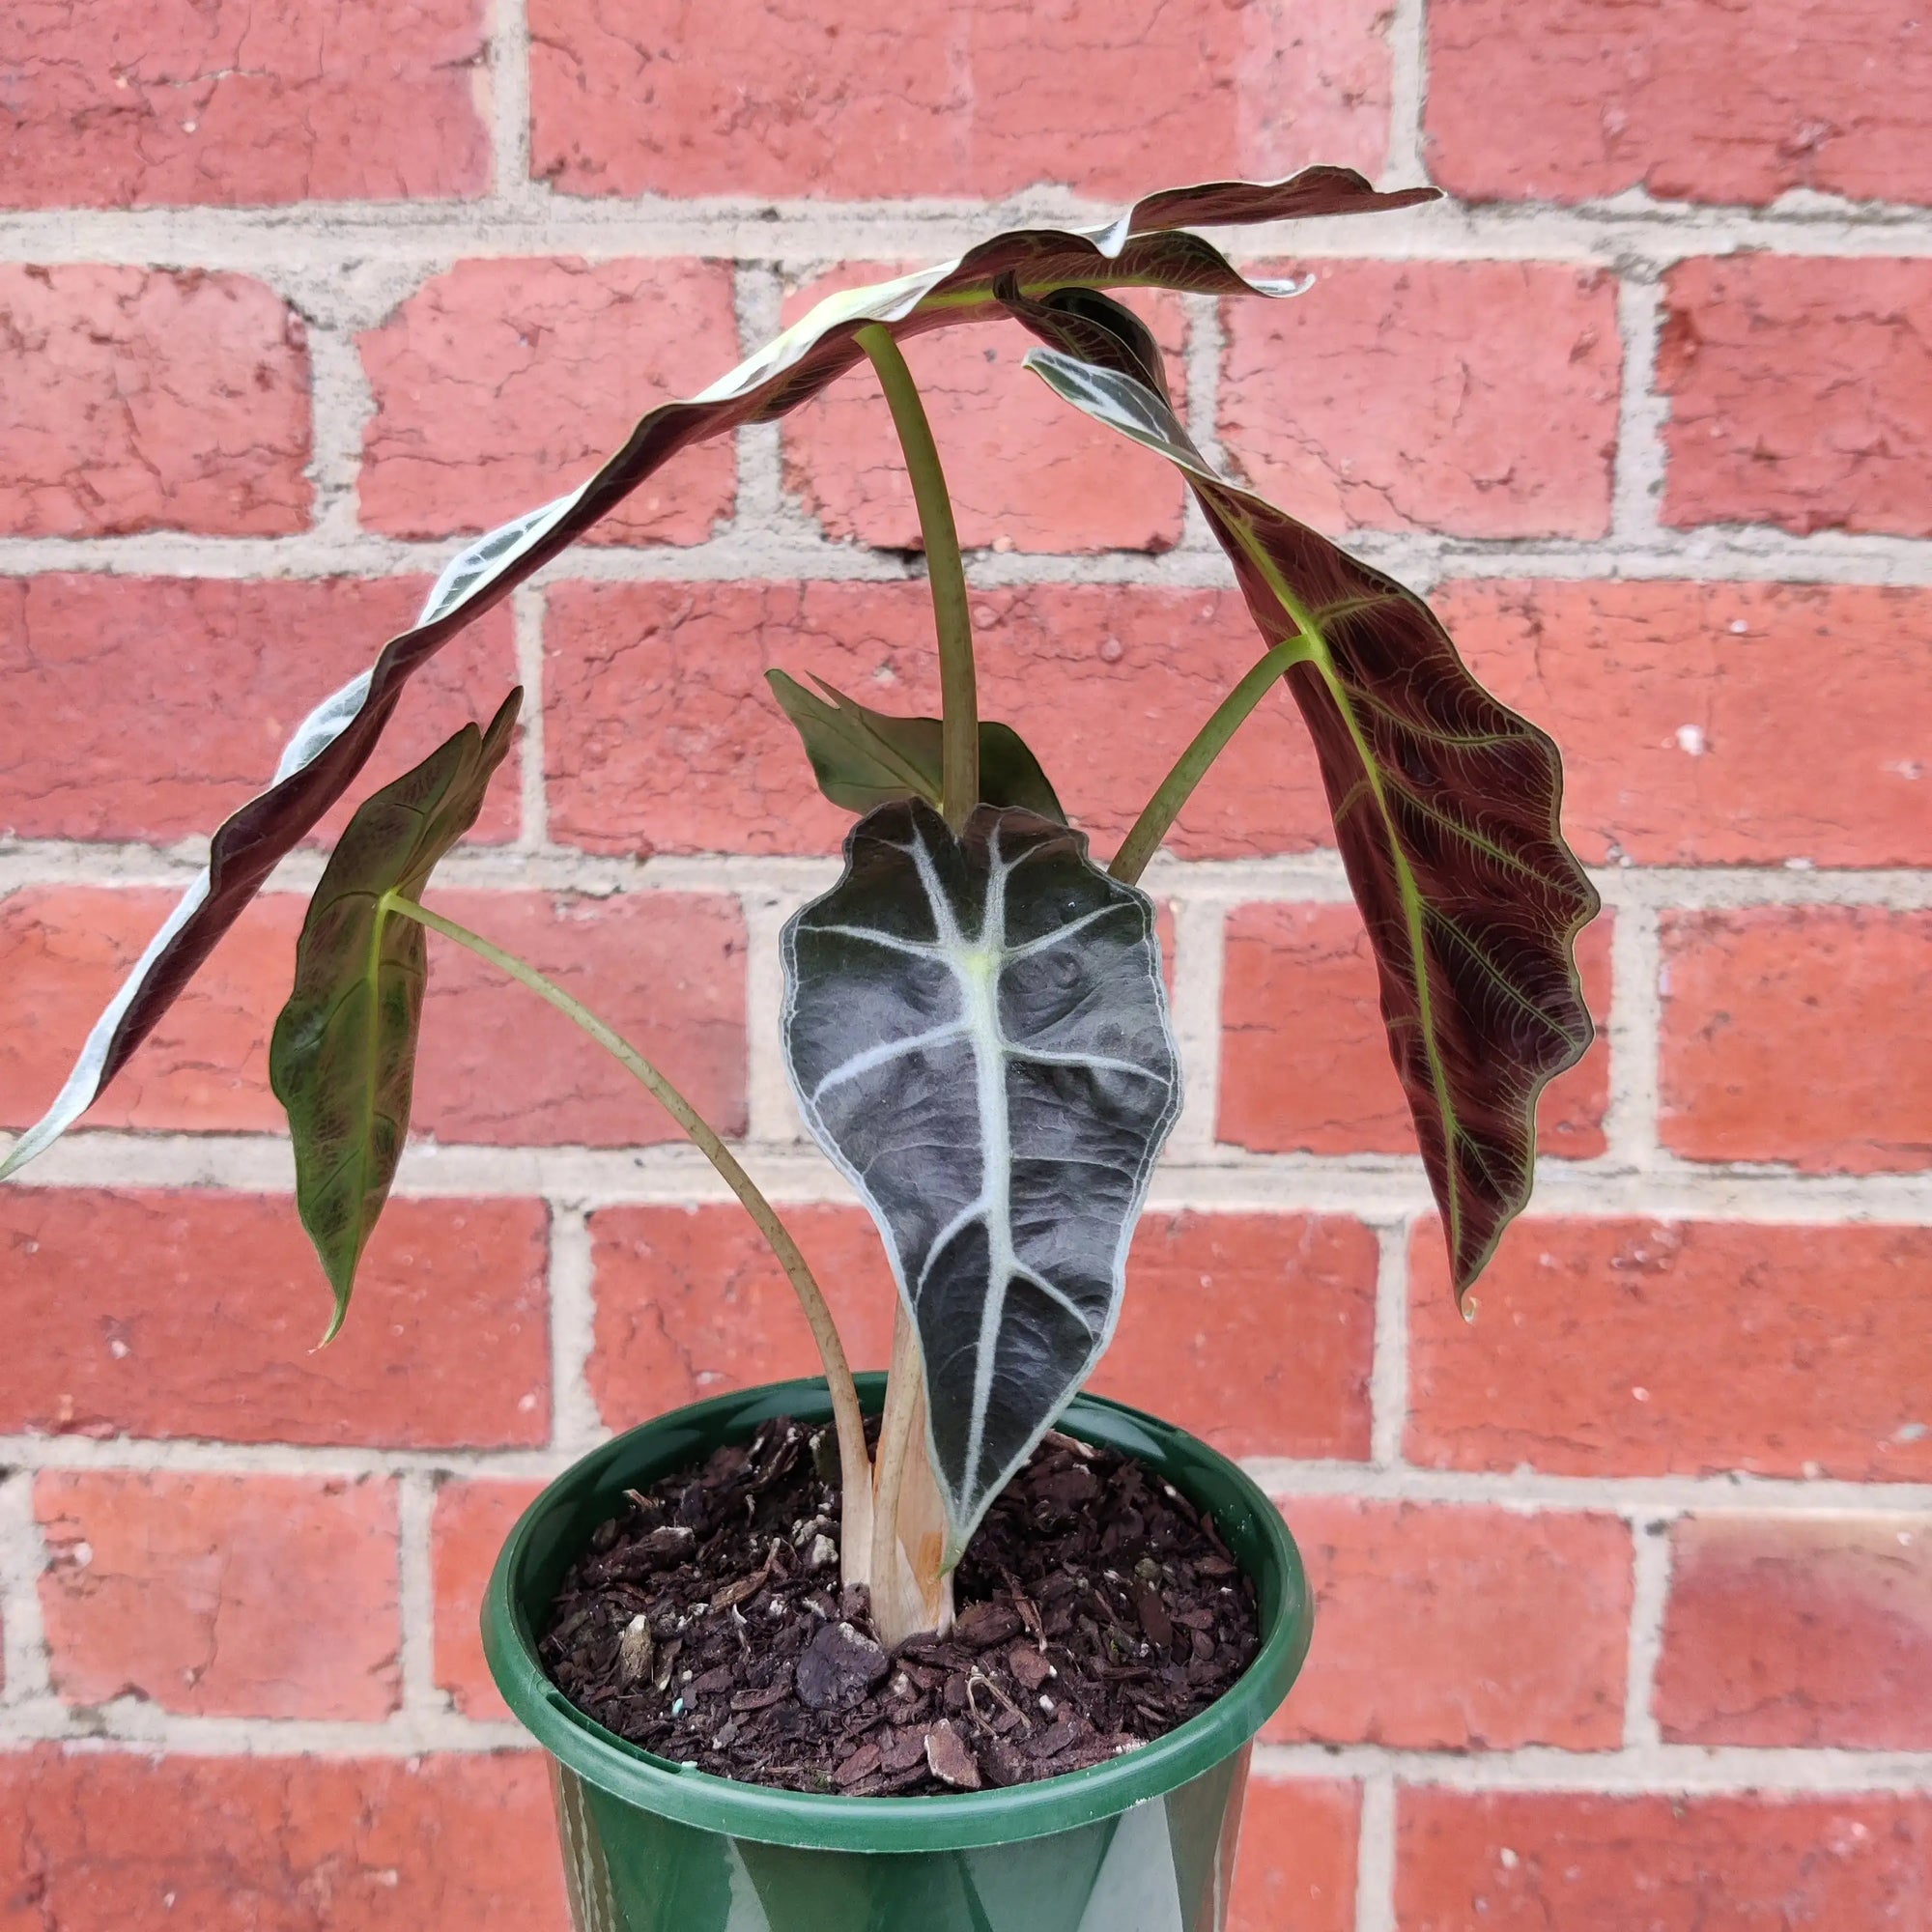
(1143, 1843)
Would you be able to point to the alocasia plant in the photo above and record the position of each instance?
(975, 1020)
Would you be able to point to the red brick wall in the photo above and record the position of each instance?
(1626, 1590)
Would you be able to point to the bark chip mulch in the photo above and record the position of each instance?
(1098, 1611)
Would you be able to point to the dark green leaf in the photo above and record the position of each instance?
(865, 758)
(976, 1031)
(1446, 804)
(343, 1058)
(1142, 249)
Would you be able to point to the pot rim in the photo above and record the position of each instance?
(887, 1824)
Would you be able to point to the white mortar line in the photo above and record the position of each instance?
(510, 105)
(1650, 1594)
(526, 619)
(415, 1502)
(1638, 487)
(771, 1111)
(23, 1558)
(1407, 35)
(1388, 1380)
(576, 1425)
(1199, 962)
(1689, 1769)
(1634, 1038)
(1376, 1856)
(1637, 1498)
(132, 1723)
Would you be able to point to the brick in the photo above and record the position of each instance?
(1798, 1631)
(191, 1314)
(203, 1593)
(500, 384)
(949, 98)
(1025, 471)
(661, 734)
(109, 1840)
(110, 679)
(1511, 1630)
(1757, 1003)
(1305, 1063)
(140, 103)
(149, 399)
(1298, 1859)
(1474, 398)
(1799, 400)
(469, 1526)
(1677, 706)
(1525, 1861)
(494, 1065)
(1205, 1340)
(1582, 99)
(691, 1303)
(1641, 1348)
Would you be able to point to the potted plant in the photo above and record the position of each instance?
(745, 1631)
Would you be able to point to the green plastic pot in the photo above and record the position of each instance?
(1143, 1844)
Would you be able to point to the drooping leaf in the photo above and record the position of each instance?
(1143, 248)
(1447, 804)
(342, 1061)
(976, 1032)
(863, 758)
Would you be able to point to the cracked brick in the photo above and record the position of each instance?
(111, 678)
(661, 734)
(1796, 1034)
(1575, 100)
(1633, 1347)
(1812, 1632)
(1476, 399)
(150, 399)
(949, 97)
(1799, 399)
(186, 1313)
(502, 384)
(185, 1591)
(1513, 1629)
(138, 103)
(1305, 1064)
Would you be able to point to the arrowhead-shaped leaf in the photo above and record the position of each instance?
(1447, 802)
(976, 1032)
(342, 1061)
(1144, 248)
(863, 758)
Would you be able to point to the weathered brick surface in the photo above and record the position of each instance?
(1496, 397)
(1297, 1862)
(1524, 1861)
(150, 707)
(662, 734)
(1305, 1063)
(472, 1520)
(1798, 399)
(1635, 1348)
(503, 383)
(1026, 471)
(1812, 1631)
(108, 1840)
(1460, 1628)
(182, 1590)
(947, 97)
(1574, 100)
(666, 969)
(1757, 1002)
(149, 399)
(197, 1314)
(132, 103)
(1679, 707)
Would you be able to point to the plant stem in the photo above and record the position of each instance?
(911, 1593)
(1191, 767)
(960, 701)
(855, 1466)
